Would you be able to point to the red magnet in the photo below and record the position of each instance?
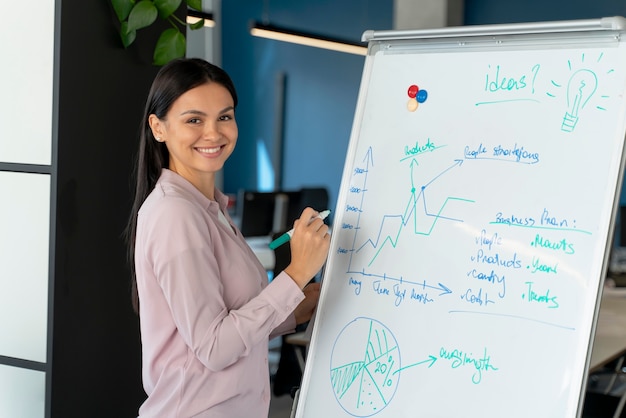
(413, 89)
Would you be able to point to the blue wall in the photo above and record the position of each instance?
(321, 87)
(480, 12)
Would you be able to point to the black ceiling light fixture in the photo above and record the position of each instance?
(264, 29)
(194, 16)
(303, 38)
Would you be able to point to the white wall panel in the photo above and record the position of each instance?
(22, 392)
(26, 84)
(24, 255)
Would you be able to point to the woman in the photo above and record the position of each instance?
(205, 307)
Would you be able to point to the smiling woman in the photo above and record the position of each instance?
(206, 308)
(199, 134)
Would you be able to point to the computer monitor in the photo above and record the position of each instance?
(263, 213)
(256, 213)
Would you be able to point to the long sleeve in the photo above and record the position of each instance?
(220, 322)
(206, 308)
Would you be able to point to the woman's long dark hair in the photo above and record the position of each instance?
(172, 80)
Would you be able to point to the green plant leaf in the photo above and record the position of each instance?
(122, 8)
(198, 25)
(143, 14)
(128, 37)
(171, 45)
(195, 4)
(167, 7)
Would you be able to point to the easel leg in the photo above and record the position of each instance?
(295, 404)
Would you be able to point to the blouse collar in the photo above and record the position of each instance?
(219, 204)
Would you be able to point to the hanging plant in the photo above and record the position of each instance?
(134, 15)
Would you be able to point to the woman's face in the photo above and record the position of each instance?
(200, 132)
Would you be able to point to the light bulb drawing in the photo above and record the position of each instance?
(580, 88)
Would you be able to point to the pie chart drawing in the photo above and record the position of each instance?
(364, 369)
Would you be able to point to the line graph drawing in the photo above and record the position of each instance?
(365, 366)
(417, 217)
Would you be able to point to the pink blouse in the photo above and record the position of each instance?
(206, 309)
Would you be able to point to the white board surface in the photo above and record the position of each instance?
(471, 230)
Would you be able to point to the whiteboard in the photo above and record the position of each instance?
(471, 230)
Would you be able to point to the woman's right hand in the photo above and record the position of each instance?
(309, 247)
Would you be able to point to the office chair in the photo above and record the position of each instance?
(314, 197)
(288, 374)
(606, 392)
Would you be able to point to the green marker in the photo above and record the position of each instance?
(287, 235)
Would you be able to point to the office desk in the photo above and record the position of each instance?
(299, 339)
(610, 338)
(260, 247)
